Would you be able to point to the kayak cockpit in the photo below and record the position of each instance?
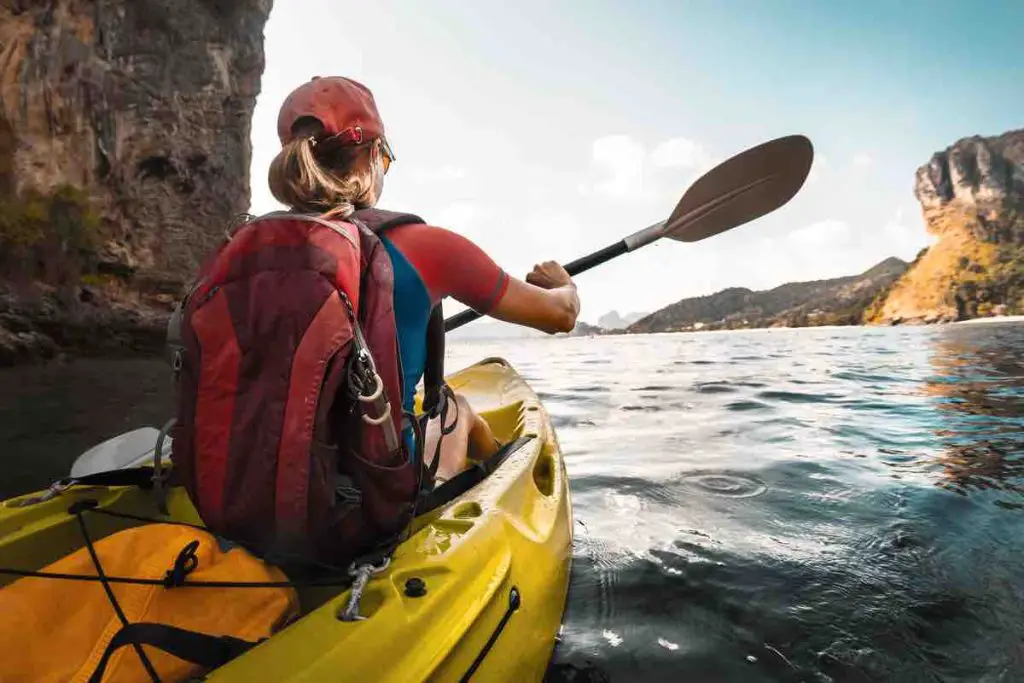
(480, 582)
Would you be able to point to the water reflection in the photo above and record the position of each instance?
(978, 389)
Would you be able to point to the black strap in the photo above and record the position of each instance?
(443, 405)
(379, 220)
(467, 479)
(199, 648)
(433, 370)
(515, 600)
(146, 664)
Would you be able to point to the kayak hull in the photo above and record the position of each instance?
(475, 593)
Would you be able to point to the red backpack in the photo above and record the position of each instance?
(289, 429)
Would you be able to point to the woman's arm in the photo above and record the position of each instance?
(451, 265)
(547, 301)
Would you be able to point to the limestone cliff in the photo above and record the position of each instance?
(124, 153)
(972, 197)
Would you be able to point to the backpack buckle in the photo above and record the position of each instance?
(369, 390)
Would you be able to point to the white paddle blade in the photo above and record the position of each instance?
(130, 449)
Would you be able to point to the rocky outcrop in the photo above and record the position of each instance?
(975, 172)
(839, 301)
(583, 329)
(124, 153)
(41, 324)
(613, 321)
(972, 198)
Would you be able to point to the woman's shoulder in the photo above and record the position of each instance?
(426, 233)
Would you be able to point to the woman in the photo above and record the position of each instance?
(333, 161)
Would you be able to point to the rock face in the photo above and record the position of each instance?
(975, 172)
(613, 321)
(124, 149)
(972, 197)
(839, 301)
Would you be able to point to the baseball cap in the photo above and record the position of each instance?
(344, 107)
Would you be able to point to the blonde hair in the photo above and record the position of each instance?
(317, 176)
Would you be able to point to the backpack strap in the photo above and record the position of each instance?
(379, 220)
(433, 371)
(467, 479)
(435, 391)
(203, 649)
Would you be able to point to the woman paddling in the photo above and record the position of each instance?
(333, 161)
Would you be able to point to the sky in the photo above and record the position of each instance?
(547, 130)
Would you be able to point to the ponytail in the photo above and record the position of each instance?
(318, 177)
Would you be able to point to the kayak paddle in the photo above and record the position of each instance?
(124, 450)
(747, 186)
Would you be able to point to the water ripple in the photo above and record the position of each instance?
(726, 484)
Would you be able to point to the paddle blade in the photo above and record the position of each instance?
(747, 186)
(126, 450)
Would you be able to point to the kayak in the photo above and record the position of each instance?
(476, 592)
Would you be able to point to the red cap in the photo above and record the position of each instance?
(345, 108)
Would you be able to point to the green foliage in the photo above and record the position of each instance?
(49, 237)
(873, 311)
(979, 287)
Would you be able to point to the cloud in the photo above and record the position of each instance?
(459, 216)
(555, 234)
(681, 153)
(818, 168)
(826, 248)
(863, 160)
(905, 237)
(619, 162)
(623, 169)
(821, 235)
(440, 174)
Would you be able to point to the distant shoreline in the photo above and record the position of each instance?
(973, 321)
(992, 319)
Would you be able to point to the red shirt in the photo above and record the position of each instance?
(451, 265)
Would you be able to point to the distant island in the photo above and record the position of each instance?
(613, 321)
(838, 301)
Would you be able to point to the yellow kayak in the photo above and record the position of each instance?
(475, 593)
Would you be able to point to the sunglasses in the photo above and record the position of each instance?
(388, 156)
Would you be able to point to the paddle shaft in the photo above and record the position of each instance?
(580, 265)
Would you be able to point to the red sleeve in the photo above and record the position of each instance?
(451, 265)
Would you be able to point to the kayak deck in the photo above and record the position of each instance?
(478, 589)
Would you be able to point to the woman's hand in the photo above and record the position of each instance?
(549, 275)
(546, 301)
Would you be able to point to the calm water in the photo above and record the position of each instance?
(791, 505)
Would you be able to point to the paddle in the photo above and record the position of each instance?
(125, 450)
(747, 186)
